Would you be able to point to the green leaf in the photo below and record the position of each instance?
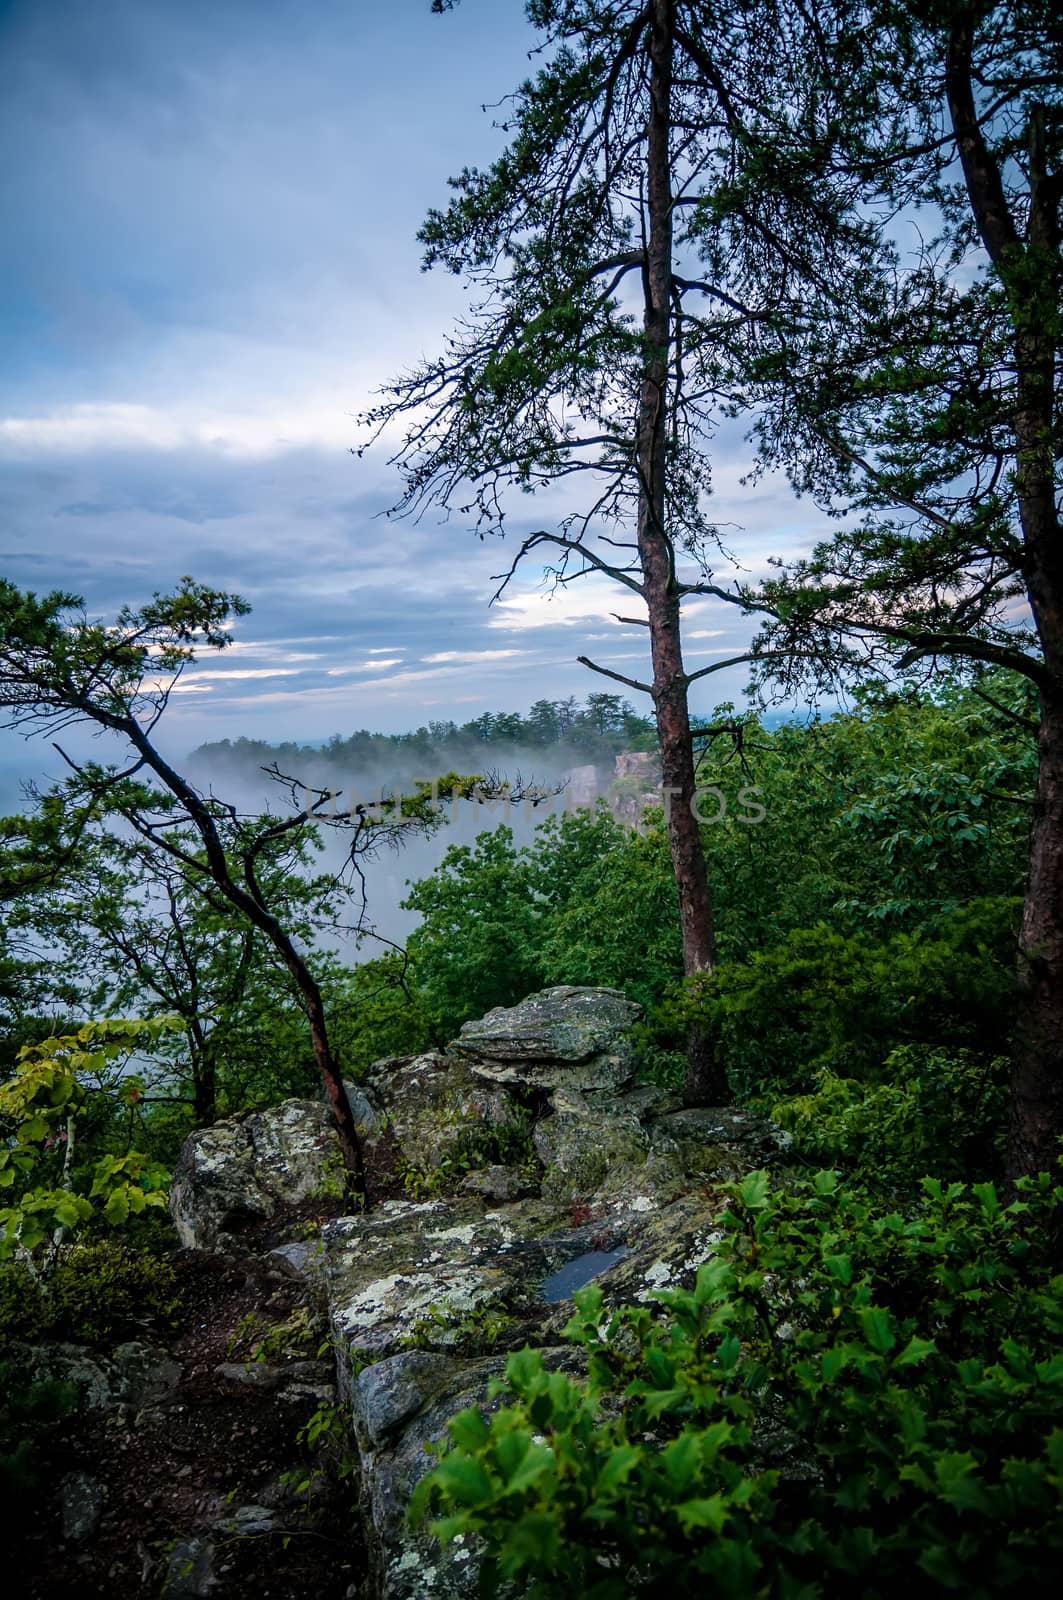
(523, 1368)
(464, 1479)
(955, 1477)
(728, 1353)
(681, 1460)
(915, 1351)
(875, 1325)
(468, 1429)
(840, 1268)
(618, 1467)
(711, 1513)
(753, 1190)
(533, 1545)
(116, 1211)
(67, 1212)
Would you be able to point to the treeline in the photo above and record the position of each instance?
(587, 731)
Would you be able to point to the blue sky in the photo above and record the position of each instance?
(207, 264)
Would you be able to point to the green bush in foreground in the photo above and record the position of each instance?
(848, 1400)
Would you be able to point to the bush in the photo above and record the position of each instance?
(93, 1293)
(376, 1011)
(843, 1002)
(846, 1400)
(939, 1110)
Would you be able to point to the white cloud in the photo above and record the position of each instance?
(365, 666)
(592, 600)
(245, 673)
(471, 655)
(87, 427)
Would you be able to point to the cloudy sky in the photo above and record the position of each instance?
(208, 263)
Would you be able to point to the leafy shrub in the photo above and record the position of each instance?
(94, 1292)
(375, 1011)
(847, 1400)
(588, 902)
(843, 1002)
(939, 1110)
(474, 948)
(55, 1087)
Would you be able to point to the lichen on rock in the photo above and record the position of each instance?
(244, 1169)
(426, 1296)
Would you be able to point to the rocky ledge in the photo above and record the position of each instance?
(557, 1168)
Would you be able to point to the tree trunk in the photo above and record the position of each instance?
(346, 1128)
(705, 1082)
(250, 904)
(1029, 269)
(1035, 1121)
(204, 1091)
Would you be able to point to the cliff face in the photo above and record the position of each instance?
(636, 785)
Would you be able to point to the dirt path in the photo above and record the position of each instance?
(194, 1500)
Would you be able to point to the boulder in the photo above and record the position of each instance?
(134, 1374)
(500, 1185)
(583, 1146)
(434, 1102)
(81, 1499)
(243, 1170)
(566, 1037)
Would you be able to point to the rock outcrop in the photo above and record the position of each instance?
(576, 1173)
(636, 785)
(570, 1038)
(243, 1170)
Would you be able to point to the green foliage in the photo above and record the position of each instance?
(258, 1339)
(474, 948)
(823, 999)
(900, 817)
(847, 1400)
(42, 1105)
(896, 813)
(376, 1010)
(93, 1293)
(482, 1330)
(328, 1437)
(589, 901)
(936, 1110)
(619, 923)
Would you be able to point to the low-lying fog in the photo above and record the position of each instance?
(388, 874)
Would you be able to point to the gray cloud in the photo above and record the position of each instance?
(209, 262)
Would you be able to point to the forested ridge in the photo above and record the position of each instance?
(790, 980)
